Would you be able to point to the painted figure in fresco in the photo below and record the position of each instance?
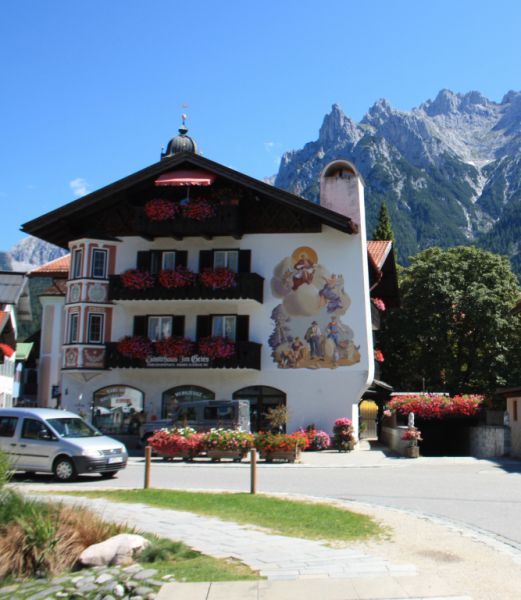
(303, 271)
(329, 295)
(298, 349)
(333, 331)
(313, 337)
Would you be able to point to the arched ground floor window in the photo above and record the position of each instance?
(261, 398)
(118, 409)
(173, 398)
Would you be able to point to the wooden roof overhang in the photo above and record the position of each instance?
(105, 213)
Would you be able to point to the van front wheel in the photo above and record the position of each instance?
(64, 469)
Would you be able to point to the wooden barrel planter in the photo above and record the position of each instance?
(215, 454)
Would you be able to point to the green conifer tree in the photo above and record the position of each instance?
(384, 230)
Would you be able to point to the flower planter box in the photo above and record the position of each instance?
(181, 454)
(412, 451)
(235, 455)
(284, 455)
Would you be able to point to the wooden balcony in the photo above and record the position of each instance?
(225, 222)
(250, 286)
(247, 356)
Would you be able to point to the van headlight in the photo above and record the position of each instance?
(92, 453)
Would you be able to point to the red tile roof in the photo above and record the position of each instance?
(58, 288)
(378, 251)
(57, 267)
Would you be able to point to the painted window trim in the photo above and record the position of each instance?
(73, 317)
(77, 264)
(105, 261)
(102, 328)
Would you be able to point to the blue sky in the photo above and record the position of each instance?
(91, 90)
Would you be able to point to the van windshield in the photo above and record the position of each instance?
(73, 428)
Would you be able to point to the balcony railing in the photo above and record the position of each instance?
(247, 356)
(225, 222)
(250, 286)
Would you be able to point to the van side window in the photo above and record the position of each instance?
(32, 428)
(8, 426)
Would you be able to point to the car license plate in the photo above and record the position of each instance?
(115, 459)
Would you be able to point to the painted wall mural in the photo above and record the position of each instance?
(309, 332)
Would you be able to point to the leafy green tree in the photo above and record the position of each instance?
(384, 230)
(454, 330)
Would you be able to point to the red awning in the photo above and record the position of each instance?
(186, 178)
(6, 350)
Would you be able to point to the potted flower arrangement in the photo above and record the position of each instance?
(317, 439)
(379, 303)
(378, 355)
(280, 446)
(176, 443)
(227, 443)
(174, 347)
(137, 347)
(198, 209)
(137, 280)
(159, 209)
(178, 278)
(413, 436)
(218, 279)
(216, 347)
(343, 435)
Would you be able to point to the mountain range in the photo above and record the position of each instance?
(449, 170)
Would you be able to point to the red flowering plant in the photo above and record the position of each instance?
(137, 280)
(216, 347)
(198, 209)
(218, 279)
(273, 442)
(317, 439)
(181, 277)
(436, 406)
(159, 209)
(379, 303)
(174, 347)
(343, 435)
(413, 436)
(228, 439)
(135, 347)
(378, 355)
(171, 442)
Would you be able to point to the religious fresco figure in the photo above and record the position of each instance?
(314, 338)
(329, 294)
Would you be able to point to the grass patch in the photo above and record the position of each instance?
(285, 517)
(175, 558)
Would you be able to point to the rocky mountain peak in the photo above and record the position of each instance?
(337, 126)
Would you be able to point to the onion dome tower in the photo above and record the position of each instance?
(181, 142)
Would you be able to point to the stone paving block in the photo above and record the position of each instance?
(310, 589)
(243, 590)
(378, 588)
(186, 591)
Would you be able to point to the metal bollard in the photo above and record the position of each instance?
(253, 471)
(148, 456)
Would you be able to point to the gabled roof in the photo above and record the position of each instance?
(12, 285)
(379, 251)
(58, 288)
(52, 226)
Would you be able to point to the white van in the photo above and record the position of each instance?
(47, 440)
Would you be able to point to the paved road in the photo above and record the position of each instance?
(479, 493)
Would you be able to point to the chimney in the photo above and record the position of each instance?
(342, 190)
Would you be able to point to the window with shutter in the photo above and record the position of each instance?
(159, 328)
(224, 326)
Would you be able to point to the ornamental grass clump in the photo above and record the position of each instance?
(436, 406)
(227, 439)
(136, 279)
(343, 435)
(179, 278)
